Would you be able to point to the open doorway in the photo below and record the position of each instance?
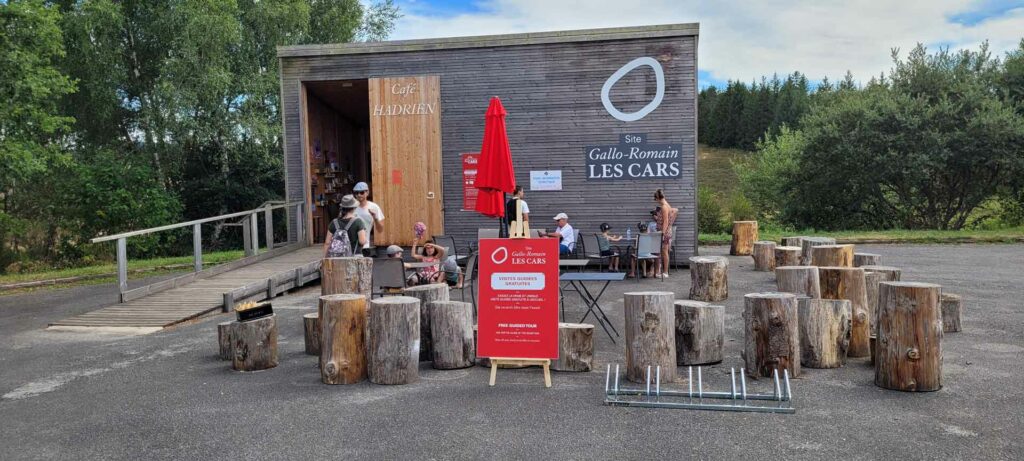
(338, 145)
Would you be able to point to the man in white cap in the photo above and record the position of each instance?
(564, 232)
(368, 211)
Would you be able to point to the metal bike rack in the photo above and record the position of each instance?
(780, 401)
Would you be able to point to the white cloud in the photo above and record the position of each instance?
(745, 40)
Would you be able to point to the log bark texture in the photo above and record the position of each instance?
(772, 338)
(952, 310)
(824, 332)
(352, 275)
(744, 234)
(342, 338)
(255, 344)
(810, 242)
(889, 273)
(575, 347)
(426, 294)
(787, 256)
(909, 345)
(709, 278)
(764, 255)
(650, 334)
(799, 280)
(451, 335)
(700, 333)
(224, 340)
(793, 241)
(866, 259)
(871, 281)
(311, 330)
(393, 342)
(849, 283)
(832, 255)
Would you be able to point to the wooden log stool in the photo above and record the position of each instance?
(849, 283)
(810, 242)
(764, 255)
(709, 278)
(451, 335)
(392, 344)
(793, 241)
(871, 281)
(224, 340)
(650, 334)
(824, 332)
(575, 347)
(952, 310)
(909, 345)
(343, 338)
(311, 330)
(744, 234)
(787, 256)
(700, 332)
(352, 275)
(771, 334)
(426, 294)
(832, 255)
(255, 344)
(866, 259)
(799, 280)
(889, 273)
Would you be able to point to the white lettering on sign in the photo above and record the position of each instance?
(388, 110)
(659, 76)
(530, 281)
(404, 90)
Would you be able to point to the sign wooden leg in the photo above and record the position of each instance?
(544, 363)
(494, 371)
(547, 373)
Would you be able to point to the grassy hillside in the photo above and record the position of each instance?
(714, 170)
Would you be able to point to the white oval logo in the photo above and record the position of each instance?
(503, 252)
(659, 76)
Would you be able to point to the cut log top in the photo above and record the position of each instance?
(395, 301)
(945, 296)
(820, 240)
(792, 268)
(708, 259)
(430, 287)
(691, 303)
(338, 298)
(912, 284)
(765, 242)
(771, 295)
(649, 293)
(787, 248)
(874, 268)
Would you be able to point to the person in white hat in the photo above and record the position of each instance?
(565, 233)
(368, 211)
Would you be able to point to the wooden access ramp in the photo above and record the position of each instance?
(199, 297)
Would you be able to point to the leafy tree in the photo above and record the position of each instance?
(765, 177)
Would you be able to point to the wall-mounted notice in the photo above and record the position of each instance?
(634, 158)
(469, 190)
(518, 309)
(546, 180)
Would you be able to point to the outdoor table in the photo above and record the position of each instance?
(421, 265)
(578, 281)
(563, 266)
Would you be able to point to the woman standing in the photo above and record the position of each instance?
(666, 219)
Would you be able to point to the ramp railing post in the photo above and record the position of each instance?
(247, 236)
(122, 266)
(197, 247)
(253, 226)
(300, 234)
(268, 227)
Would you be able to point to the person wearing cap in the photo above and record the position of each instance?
(368, 211)
(358, 235)
(565, 233)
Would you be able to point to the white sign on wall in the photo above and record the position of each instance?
(546, 180)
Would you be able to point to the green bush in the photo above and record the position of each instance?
(764, 176)
(740, 208)
(710, 218)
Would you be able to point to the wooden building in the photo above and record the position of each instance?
(597, 120)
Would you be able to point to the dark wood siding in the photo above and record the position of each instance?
(552, 94)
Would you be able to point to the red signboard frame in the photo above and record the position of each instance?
(469, 190)
(518, 307)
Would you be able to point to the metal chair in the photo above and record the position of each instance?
(648, 248)
(448, 242)
(592, 249)
(469, 280)
(388, 275)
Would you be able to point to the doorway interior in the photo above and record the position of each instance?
(338, 145)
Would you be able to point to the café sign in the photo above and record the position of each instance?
(634, 158)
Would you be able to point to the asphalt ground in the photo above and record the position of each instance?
(167, 396)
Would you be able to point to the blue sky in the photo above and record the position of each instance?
(746, 40)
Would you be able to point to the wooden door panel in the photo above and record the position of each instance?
(405, 146)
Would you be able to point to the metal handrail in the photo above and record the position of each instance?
(151, 230)
(249, 232)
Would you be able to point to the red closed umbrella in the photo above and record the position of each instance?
(495, 175)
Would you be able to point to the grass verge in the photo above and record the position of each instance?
(136, 268)
(1009, 235)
